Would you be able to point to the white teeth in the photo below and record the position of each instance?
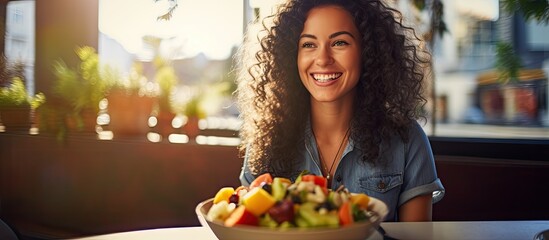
(326, 77)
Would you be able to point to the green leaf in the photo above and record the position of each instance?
(530, 9)
(507, 63)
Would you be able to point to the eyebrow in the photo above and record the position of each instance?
(333, 35)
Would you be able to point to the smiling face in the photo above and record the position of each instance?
(328, 58)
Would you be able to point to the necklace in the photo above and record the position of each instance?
(329, 171)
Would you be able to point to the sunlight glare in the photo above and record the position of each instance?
(210, 26)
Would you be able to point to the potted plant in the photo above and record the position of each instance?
(193, 111)
(130, 103)
(166, 80)
(80, 89)
(17, 107)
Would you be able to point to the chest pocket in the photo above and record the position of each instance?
(382, 183)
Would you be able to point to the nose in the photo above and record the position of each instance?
(324, 57)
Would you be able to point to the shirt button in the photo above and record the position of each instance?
(338, 178)
(381, 185)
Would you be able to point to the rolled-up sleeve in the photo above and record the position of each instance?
(420, 174)
(246, 176)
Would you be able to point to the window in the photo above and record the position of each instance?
(199, 40)
(471, 99)
(462, 56)
(203, 34)
(16, 15)
(19, 37)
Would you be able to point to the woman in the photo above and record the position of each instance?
(336, 90)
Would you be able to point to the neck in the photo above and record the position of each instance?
(330, 121)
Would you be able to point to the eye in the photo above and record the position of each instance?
(307, 45)
(339, 43)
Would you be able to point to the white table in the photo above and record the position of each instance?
(411, 230)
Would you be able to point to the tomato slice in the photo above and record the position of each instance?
(265, 177)
(345, 214)
(317, 180)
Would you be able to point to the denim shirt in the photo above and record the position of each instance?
(409, 170)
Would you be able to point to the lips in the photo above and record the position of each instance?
(325, 77)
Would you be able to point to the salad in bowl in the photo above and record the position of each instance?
(276, 208)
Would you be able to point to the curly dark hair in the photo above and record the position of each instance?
(275, 105)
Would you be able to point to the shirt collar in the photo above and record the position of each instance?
(310, 141)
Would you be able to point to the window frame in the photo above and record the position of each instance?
(511, 149)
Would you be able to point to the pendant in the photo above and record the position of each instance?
(328, 177)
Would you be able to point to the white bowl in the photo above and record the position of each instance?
(357, 231)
